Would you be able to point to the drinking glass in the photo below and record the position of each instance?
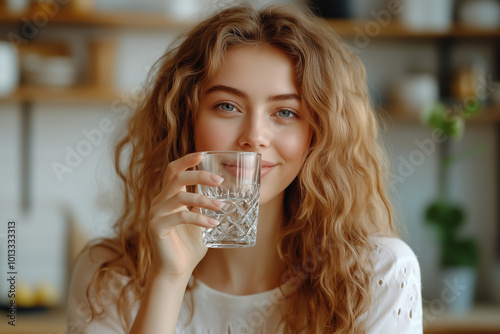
(239, 191)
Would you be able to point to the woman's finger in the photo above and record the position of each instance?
(162, 225)
(179, 165)
(193, 177)
(182, 179)
(181, 200)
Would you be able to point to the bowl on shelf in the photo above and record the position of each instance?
(415, 91)
(54, 71)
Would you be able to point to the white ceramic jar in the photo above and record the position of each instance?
(483, 14)
(427, 15)
(186, 9)
(416, 91)
(9, 69)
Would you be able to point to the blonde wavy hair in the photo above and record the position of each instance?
(334, 205)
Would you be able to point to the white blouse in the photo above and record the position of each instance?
(396, 301)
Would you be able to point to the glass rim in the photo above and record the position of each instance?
(256, 154)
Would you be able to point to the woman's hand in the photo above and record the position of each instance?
(174, 230)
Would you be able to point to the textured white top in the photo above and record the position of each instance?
(396, 301)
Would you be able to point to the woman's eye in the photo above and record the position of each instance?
(227, 107)
(286, 113)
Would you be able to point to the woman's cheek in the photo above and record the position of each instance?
(211, 136)
(293, 145)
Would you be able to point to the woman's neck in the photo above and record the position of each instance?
(244, 271)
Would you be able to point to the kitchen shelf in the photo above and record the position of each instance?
(489, 114)
(100, 19)
(35, 322)
(77, 94)
(482, 319)
(396, 29)
(346, 27)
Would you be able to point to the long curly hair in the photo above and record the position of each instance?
(333, 206)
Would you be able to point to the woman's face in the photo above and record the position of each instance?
(253, 104)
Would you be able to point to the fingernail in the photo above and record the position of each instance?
(218, 204)
(213, 222)
(217, 178)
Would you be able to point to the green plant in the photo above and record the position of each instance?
(444, 217)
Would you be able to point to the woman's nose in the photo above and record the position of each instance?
(256, 133)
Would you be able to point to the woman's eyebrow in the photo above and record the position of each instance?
(227, 89)
(237, 92)
(283, 97)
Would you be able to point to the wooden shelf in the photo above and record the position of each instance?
(346, 27)
(481, 319)
(100, 19)
(82, 94)
(396, 29)
(489, 114)
(43, 321)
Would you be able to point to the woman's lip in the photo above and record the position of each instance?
(266, 170)
(266, 167)
(265, 163)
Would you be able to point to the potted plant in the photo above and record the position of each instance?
(459, 254)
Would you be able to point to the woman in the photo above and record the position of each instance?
(327, 259)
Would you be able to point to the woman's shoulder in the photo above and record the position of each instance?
(93, 256)
(392, 257)
(396, 305)
(391, 249)
(82, 291)
(88, 262)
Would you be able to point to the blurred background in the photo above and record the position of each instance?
(71, 71)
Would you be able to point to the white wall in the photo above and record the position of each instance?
(474, 186)
(10, 154)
